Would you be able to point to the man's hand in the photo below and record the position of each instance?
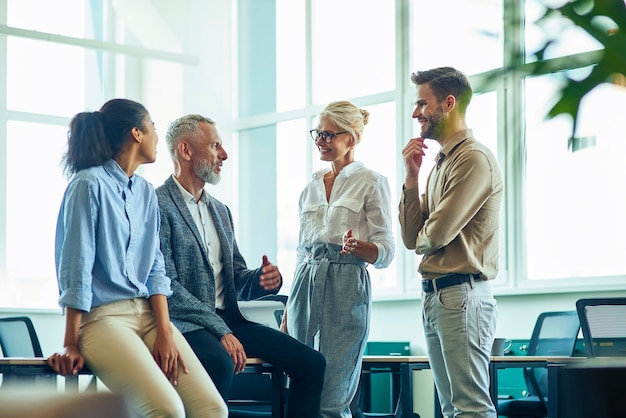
(413, 154)
(236, 351)
(270, 278)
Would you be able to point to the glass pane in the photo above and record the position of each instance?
(566, 36)
(34, 193)
(290, 55)
(353, 48)
(482, 118)
(456, 42)
(378, 151)
(44, 77)
(574, 206)
(164, 101)
(63, 17)
(292, 150)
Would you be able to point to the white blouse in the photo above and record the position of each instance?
(360, 200)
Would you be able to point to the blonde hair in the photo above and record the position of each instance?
(347, 116)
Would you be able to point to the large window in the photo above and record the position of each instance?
(52, 69)
(574, 214)
(267, 80)
(560, 216)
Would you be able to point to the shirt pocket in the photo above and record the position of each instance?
(312, 221)
(345, 213)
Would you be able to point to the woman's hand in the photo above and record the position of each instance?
(166, 355)
(69, 361)
(349, 242)
(165, 352)
(364, 250)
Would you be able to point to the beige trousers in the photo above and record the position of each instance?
(117, 340)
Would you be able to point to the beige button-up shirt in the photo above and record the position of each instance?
(455, 223)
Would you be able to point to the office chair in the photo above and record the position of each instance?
(18, 338)
(554, 334)
(603, 324)
(251, 393)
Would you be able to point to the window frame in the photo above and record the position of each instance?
(509, 88)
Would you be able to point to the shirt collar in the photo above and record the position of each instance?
(188, 197)
(455, 141)
(119, 176)
(347, 171)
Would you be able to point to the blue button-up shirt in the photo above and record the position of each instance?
(107, 239)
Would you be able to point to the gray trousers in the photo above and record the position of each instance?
(329, 310)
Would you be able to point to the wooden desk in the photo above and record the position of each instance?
(403, 366)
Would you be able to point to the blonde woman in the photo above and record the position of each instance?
(345, 225)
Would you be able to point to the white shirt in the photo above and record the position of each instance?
(360, 200)
(204, 222)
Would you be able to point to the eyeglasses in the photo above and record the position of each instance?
(325, 135)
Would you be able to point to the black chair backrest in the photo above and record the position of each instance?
(18, 338)
(554, 334)
(603, 324)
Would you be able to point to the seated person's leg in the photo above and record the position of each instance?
(214, 358)
(304, 365)
(116, 354)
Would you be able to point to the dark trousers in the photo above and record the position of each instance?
(302, 364)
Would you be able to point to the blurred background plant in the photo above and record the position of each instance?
(603, 20)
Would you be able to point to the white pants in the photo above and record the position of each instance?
(117, 340)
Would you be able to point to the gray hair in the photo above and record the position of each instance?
(185, 126)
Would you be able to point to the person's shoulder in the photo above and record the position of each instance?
(89, 174)
(476, 149)
(163, 190)
(479, 155)
(88, 177)
(367, 173)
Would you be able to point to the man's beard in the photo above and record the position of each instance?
(207, 173)
(432, 130)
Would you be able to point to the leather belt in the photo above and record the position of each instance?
(429, 286)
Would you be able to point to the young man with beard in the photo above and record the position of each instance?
(209, 274)
(454, 224)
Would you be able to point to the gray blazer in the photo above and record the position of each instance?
(192, 304)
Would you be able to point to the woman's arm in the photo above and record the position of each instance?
(70, 360)
(165, 352)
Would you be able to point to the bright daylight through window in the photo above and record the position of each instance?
(561, 220)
